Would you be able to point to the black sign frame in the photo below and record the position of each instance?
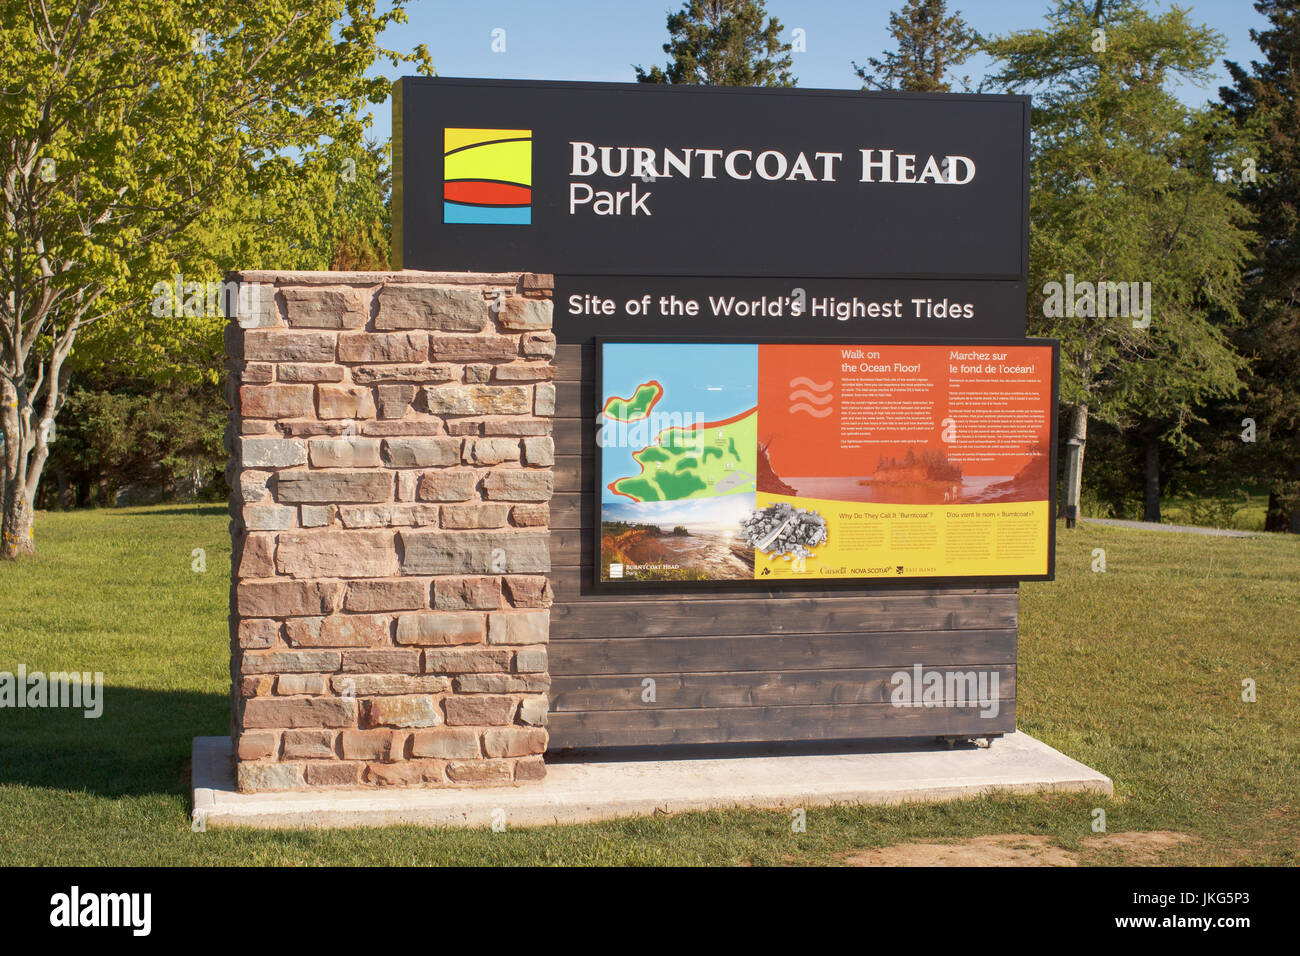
(492, 103)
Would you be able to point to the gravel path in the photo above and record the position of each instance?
(1185, 528)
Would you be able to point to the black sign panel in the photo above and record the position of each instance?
(647, 180)
(748, 308)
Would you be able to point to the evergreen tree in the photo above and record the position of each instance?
(723, 43)
(1266, 102)
(930, 43)
(1126, 187)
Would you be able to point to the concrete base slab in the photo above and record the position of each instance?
(603, 789)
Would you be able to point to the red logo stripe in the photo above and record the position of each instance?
(480, 192)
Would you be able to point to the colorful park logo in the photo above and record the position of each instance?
(488, 176)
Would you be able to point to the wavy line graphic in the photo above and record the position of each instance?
(803, 380)
(814, 412)
(815, 399)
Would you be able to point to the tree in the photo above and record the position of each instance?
(930, 43)
(159, 437)
(122, 126)
(1266, 102)
(723, 43)
(1126, 187)
(363, 222)
(147, 406)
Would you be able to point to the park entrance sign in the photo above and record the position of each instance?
(609, 179)
(828, 288)
(810, 212)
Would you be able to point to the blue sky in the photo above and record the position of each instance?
(599, 40)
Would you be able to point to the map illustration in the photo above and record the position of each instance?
(679, 438)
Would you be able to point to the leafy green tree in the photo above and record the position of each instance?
(1127, 187)
(930, 44)
(123, 129)
(130, 367)
(1265, 101)
(363, 229)
(723, 43)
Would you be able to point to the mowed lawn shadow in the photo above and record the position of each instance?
(139, 745)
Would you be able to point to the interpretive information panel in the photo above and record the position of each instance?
(784, 462)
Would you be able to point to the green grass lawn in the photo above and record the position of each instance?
(1243, 511)
(1136, 671)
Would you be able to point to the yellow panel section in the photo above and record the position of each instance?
(867, 540)
(456, 138)
(508, 162)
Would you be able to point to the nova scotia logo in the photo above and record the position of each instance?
(487, 176)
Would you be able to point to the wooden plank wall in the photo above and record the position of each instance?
(732, 666)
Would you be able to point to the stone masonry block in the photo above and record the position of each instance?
(473, 348)
(383, 348)
(349, 452)
(337, 554)
(294, 712)
(519, 627)
(440, 308)
(275, 401)
(279, 345)
(322, 308)
(411, 710)
(519, 484)
(421, 452)
(479, 709)
(477, 399)
(518, 314)
(330, 487)
(344, 401)
(475, 552)
(287, 598)
(486, 515)
(451, 485)
(440, 628)
(447, 743)
(473, 593)
(272, 452)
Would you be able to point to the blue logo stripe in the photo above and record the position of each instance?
(455, 212)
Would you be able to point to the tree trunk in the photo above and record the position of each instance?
(15, 517)
(1276, 518)
(1293, 512)
(15, 500)
(1074, 479)
(1151, 479)
(64, 496)
(25, 453)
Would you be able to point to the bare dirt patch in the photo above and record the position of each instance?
(1135, 849)
(1022, 849)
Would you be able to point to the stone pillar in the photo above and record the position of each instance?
(391, 468)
